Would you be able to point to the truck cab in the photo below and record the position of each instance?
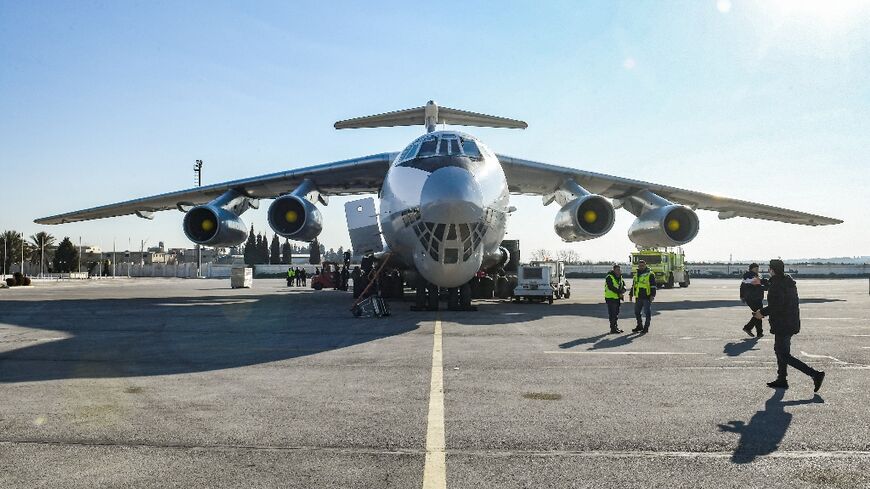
(668, 266)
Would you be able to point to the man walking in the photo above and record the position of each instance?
(752, 294)
(785, 321)
(614, 293)
(643, 289)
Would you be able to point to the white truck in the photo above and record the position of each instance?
(542, 280)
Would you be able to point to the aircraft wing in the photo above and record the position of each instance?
(535, 178)
(354, 176)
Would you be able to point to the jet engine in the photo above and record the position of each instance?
(214, 226)
(586, 217)
(497, 259)
(294, 217)
(670, 225)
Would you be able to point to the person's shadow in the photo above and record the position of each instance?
(767, 428)
(737, 348)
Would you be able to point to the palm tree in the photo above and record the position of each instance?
(40, 243)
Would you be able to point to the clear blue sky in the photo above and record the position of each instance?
(103, 102)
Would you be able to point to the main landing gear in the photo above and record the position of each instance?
(427, 297)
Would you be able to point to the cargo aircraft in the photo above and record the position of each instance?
(444, 202)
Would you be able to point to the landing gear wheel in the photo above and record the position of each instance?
(550, 299)
(465, 296)
(420, 297)
(568, 293)
(453, 298)
(432, 302)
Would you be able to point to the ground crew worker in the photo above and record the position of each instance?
(614, 294)
(785, 321)
(345, 276)
(643, 289)
(290, 274)
(752, 294)
(304, 277)
(298, 275)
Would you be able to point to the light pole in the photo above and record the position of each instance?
(80, 254)
(41, 256)
(22, 253)
(197, 170)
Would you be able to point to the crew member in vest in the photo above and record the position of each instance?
(785, 321)
(614, 294)
(290, 274)
(643, 291)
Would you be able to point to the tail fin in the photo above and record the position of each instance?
(430, 115)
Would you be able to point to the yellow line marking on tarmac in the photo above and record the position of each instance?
(435, 470)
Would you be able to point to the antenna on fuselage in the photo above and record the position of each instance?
(430, 115)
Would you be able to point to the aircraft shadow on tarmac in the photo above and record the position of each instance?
(171, 335)
(111, 338)
(766, 429)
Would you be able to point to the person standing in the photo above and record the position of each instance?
(614, 294)
(752, 294)
(643, 291)
(785, 321)
(304, 276)
(290, 274)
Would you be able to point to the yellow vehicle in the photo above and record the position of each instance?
(668, 266)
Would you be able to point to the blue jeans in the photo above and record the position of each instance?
(645, 305)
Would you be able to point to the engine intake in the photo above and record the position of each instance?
(671, 225)
(214, 226)
(584, 218)
(295, 218)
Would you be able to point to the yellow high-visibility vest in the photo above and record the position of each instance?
(641, 281)
(617, 283)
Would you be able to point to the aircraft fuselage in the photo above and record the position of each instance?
(444, 206)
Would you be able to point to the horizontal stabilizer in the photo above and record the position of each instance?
(430, 115)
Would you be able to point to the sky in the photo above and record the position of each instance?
(102, 102)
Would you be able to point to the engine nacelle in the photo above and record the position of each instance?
(496, 260)
(671, 225)
(214, 226)
(587, 217)
(295, 218)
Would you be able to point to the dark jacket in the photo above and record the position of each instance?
(750, 292)
(782, 305)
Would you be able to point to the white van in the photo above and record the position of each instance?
(540, 281)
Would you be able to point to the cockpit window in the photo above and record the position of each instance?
(410, 152)
(448, 146)
(469, 147)
(428, 148)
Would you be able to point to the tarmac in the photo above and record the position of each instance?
(188, 383)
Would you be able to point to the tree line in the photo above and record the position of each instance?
(39, 248)
(259, 250)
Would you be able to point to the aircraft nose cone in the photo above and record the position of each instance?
(451, 195)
